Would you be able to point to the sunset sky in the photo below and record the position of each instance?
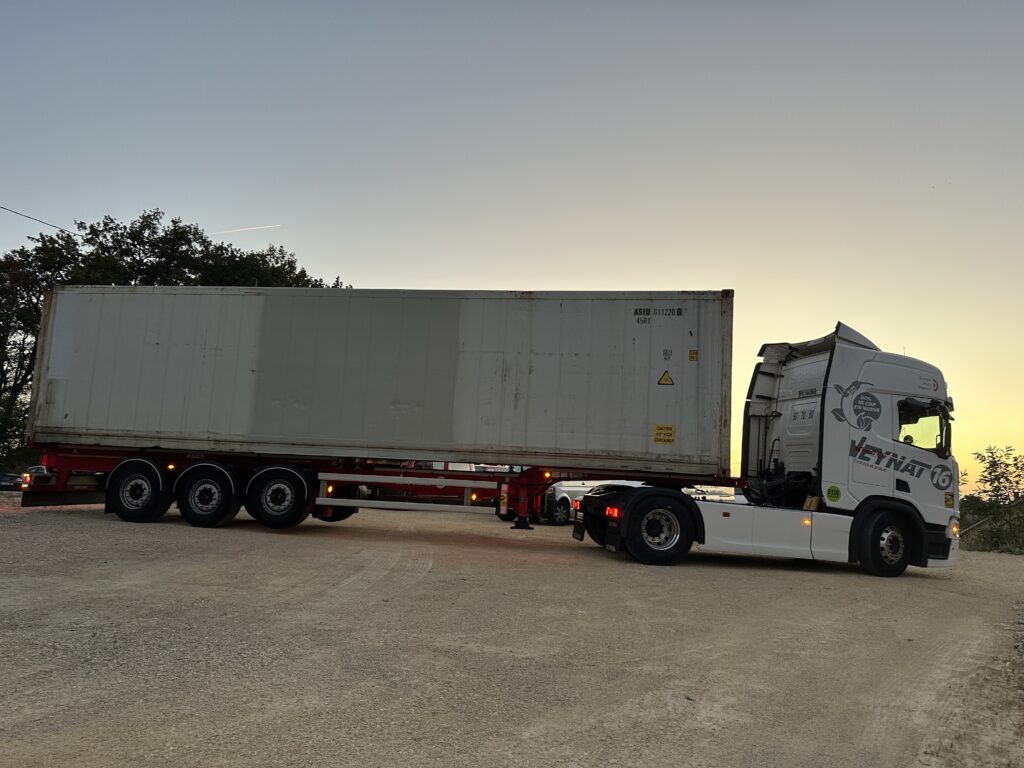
(848, 161)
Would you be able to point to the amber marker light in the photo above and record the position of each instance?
(547, 475)
(330, 489)
(472, 497)
(806, 521)
(170, 467)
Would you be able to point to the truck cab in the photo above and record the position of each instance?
(847, 456)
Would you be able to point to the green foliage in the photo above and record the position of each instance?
(993, 519)
(146, 251)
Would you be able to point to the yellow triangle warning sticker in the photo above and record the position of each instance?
(666, 379)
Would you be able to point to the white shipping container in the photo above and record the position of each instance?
(591, 380)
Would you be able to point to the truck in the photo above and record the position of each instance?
(294, 402)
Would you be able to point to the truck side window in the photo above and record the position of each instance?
(924, 425)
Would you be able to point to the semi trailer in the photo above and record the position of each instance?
(298, 402)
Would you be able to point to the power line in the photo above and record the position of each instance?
(26, 216)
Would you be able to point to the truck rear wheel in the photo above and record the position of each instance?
(277, 498)
(134, 495)
(885, 544)
(206, 497)
(660, 531)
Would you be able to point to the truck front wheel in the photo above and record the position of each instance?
(277, 498)
(660, 531)
(206, 499)
(885, 544)
(134, 495)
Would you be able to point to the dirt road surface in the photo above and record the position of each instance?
(435, 639)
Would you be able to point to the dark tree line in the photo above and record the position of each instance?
(146, 251)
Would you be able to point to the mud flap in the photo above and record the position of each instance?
(613, 536)
(578, 530)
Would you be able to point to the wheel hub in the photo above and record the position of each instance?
(660, 529)
(278, 498)
(205, 497)
(136, 492)
(891, 545)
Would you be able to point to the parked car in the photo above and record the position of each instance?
(561, 498)
(9, 481)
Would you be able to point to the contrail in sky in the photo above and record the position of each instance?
(244, 229)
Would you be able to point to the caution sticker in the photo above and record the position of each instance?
(665, 380)
(665, 434)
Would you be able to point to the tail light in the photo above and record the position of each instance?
(575, 503)
(612, 512)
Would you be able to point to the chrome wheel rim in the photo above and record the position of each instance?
(205, 497)
(278, 497)
(136, 491)
(891, 545)
(660, 529)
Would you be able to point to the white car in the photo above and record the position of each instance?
(562, 497)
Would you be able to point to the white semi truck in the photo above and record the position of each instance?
(846, 457)
(294, 402)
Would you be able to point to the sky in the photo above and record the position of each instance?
(848, 161)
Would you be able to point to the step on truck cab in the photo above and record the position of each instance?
(847, 457)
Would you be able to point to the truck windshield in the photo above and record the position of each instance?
(925, 425)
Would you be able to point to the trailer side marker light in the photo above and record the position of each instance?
(613, 512)
(575, 503)
(472, 497)
(330, 489)
(170, 467)
(954, 528)
(547, 475)
(806, 521)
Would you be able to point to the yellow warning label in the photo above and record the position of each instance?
(665, 433)
(666, 379)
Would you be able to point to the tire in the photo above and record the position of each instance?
(885, 544)
(277, 498)
(333, 514)
(206, 499)
(134, 495)
(660, 532)
(561, 513)
(596, 528)
(508, 517)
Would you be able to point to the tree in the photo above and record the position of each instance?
(145, 251)
(995, 514)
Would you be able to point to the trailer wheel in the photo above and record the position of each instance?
(333, 514)
(885, 544)
(206, 498)
(660, 531)
(277, 498)
(561, 513)
(134, 495)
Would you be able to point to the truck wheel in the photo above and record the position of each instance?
(134, 495)
(206, 499)
(277, 498)
(660, 531)
(561, 513)
(885, 543)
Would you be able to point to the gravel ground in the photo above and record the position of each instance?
(436, 639)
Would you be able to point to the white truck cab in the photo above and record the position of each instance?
(846, 457)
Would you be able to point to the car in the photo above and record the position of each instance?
(9, 481)
(561, 498)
